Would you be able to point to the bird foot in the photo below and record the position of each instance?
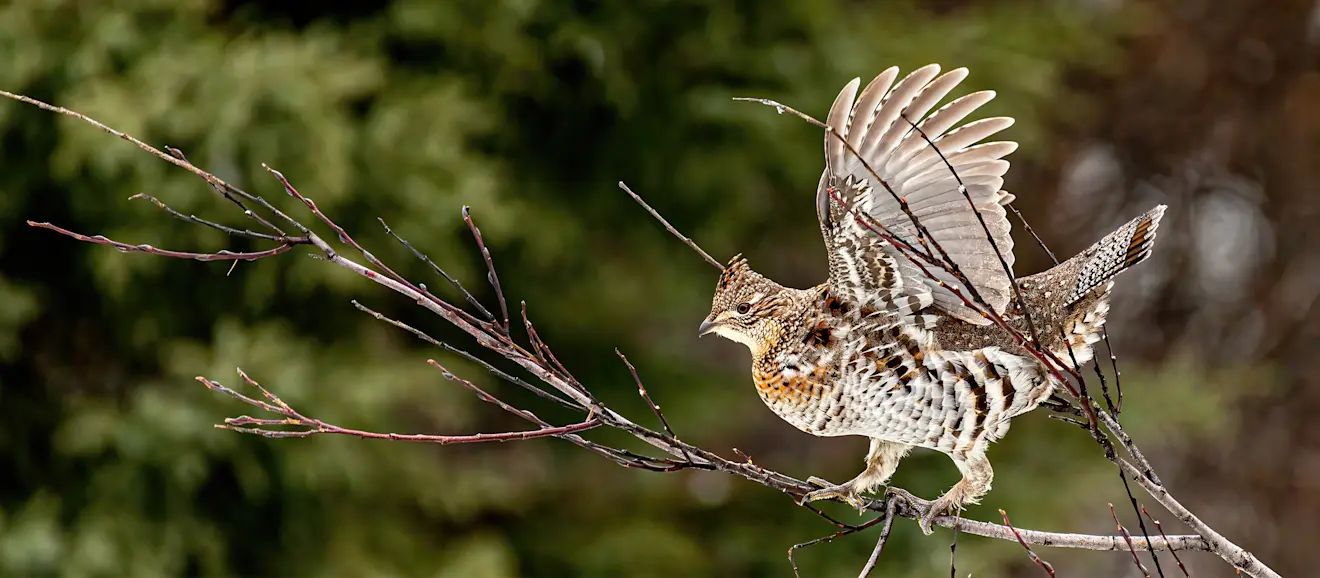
(847, 492)
(926, 510)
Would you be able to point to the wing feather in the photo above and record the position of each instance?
(876, 125)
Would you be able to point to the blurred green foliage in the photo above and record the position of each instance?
(530, 112)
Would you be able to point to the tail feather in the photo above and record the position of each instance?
(1123, 248)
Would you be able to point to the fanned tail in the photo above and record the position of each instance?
(1123, 248)
(1092, 273)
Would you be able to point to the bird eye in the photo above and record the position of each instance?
(743, 308)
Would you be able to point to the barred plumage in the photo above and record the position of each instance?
(881, 349)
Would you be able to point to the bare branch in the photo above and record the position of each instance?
(1124, 532)
(1161, 530)
(1034, 558)
(880, 542)
(1230, 552)
(491, 276)
(286, 244)
(318, 427)
(687, 241)
(641, 390)
(452, 281)
(200, 221)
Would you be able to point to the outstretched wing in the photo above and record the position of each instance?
(876, 126)
(865, 274)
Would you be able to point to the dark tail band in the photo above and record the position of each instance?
(1123, 248)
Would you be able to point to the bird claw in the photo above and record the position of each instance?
(927, 511)
(845, 492)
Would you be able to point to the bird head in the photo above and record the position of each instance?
(745, 307)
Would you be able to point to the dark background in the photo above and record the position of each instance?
(530, 111)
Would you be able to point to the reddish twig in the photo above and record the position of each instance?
(318, 427)
(285, 244)
(641, 390)
(1124, 532)
(491, 275)
(1161, 530)
(1034, 558)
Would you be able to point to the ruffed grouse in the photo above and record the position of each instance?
(887, 350)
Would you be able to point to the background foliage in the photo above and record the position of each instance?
(530, 112)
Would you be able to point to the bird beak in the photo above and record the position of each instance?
(707, 326)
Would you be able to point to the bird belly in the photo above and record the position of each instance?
(948, 401)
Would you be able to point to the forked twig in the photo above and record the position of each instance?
(314, 426)
(830, 538)
(435, 267)
(285, 245)
(194, 219)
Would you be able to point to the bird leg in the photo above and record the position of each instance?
(881, 461)
(977, 475)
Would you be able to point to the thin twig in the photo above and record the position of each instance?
(491, 275)
(686, 240)
(880, 542)
(222, 255)
(953, 555)
(830, 538)
(1034, 558)
(452, 281)
(228, 193)
(1118, 375)
(1161, 530)
(1124, 532)
(318, 427)
(489, 368)
(1027, 226)
(922, 234)
(200, 221)
(1141, 523)
(641, 390)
